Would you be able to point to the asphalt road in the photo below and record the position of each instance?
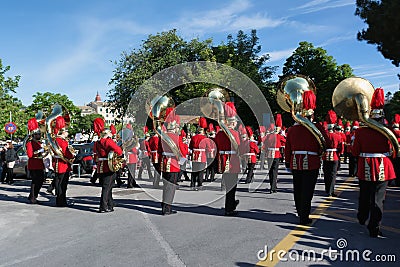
(136, 234)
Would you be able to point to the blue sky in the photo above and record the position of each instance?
(69, 47)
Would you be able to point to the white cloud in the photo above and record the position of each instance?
(227, 18)
(318, 5)
(280, 55)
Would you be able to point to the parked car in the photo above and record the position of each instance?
(84, 158)
(21, 164)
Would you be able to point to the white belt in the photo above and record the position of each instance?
(199, 149)
(273, 149)
(227, 152)
(299, 152)
(57, 157)
(250, 154)
(102, 158)
(168, 154)
(330, 149)
(153, 151)
(374, 155)
(129, 153)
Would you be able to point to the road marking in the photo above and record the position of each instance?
(295, 235)
(172, 258)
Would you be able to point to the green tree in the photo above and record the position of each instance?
(8, 104)
(383, 28)
(157, 53)
(242, 53)
(45, 102)
(321, 68)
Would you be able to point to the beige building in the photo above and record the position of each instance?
(99, 107)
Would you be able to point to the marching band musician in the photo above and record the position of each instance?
(301, 156)
(249, 149)
(353, 160)
(272, 146)
(101, 148)
(185, 154)
(375, 168)
(396, 160)
(211, 155)
(347, 142)
(199, 145)
(261, 142)
(61, 168)
(155, 158)
(118, 173)
(132, 163)
(170, 164)
(331, 156)
(144, 152)
(228, 159)
(34, 152)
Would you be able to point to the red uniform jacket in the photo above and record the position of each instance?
(272, 144)
(169, 162)
(228, 160)
(249, 149)
(334, 147)
(153, 147)
(301, 149)
(35, 159)
(133, 155)
(59, 165)
(347, 145)
(101, 149)
(199, 145)
(372, 149)
(212, 152)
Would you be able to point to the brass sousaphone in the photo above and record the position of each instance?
(352, 98)
(57, 110)
(290, 99)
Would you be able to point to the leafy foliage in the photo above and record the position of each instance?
(321, 68)
(383, 29)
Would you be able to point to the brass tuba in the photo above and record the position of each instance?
(42, 127)
(159, 106)
(57, 110)
(213, 107)
(126, 140)
(351, 99)
(290, 99)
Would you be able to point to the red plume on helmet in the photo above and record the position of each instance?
(271, 127)
(378, 99)
(98, 126)
(249, 131)
(309, 100)
(33, 125)
(169, 115)
(112, 129)
(396, 121)
(183, 133)
(278, 120)
(60, 124)
(331, 117)
(230, 111)
(202, 122)
(210, 128)
(128, 126)
(340, 122)
(262, 129)
(217, 128)
(145, 129)
(242, 130)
